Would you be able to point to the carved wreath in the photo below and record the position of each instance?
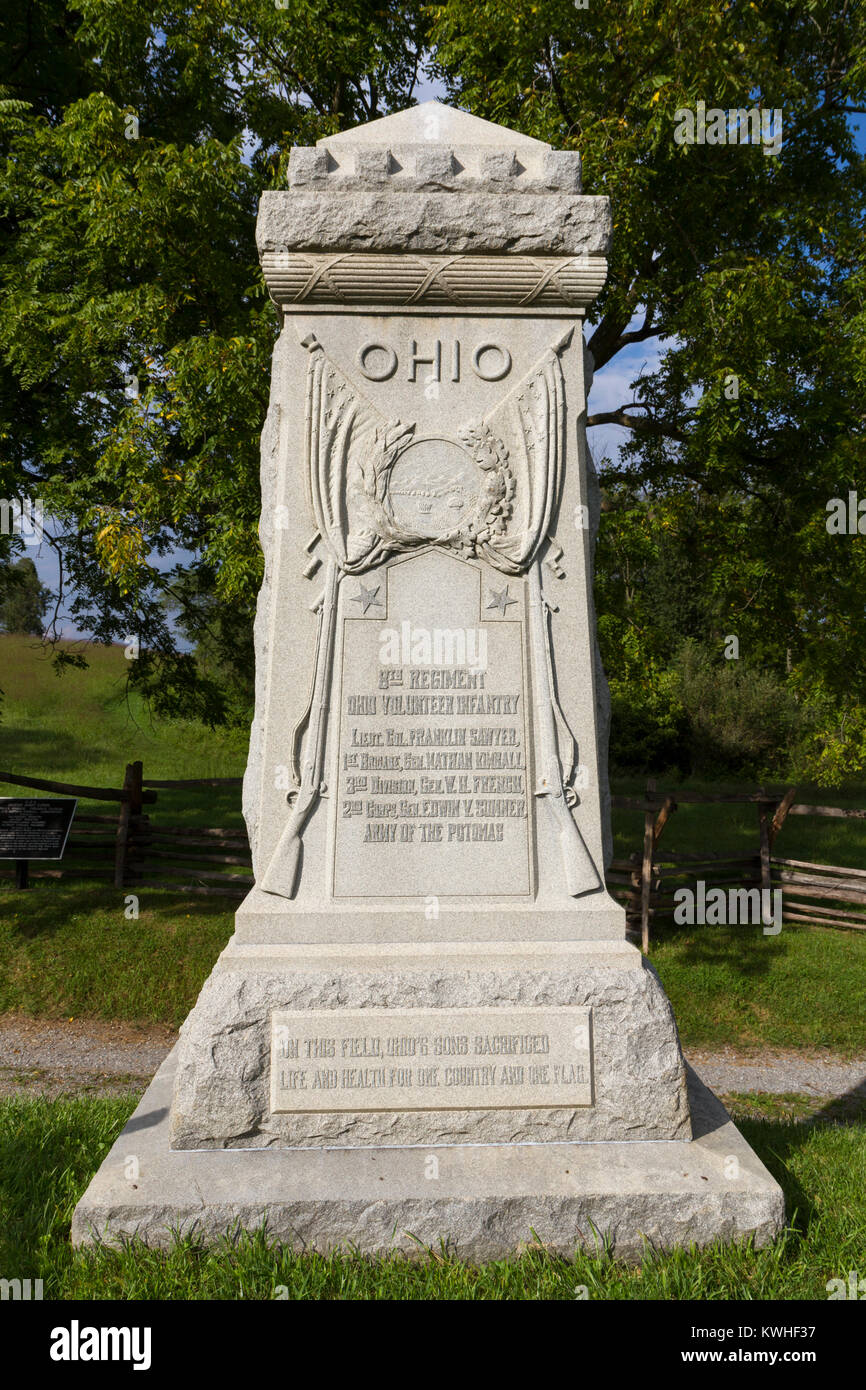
(374, 519)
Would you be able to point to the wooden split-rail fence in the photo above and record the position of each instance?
(646, 883)
(130, 850)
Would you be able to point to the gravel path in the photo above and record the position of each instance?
(811, 1074)
(65, 1056)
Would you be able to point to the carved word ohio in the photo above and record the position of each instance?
(437, 646)
(490, 361)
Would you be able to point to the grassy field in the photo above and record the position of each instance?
(85, 726)
(49, 1149)
(67, 949)
(734, 987)
(696, 828)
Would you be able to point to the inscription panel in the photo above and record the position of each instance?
(432, 777)
(323, 1060)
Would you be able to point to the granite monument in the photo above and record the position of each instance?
(429, 1024)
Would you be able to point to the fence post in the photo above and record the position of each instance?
(137, 819)
(137, 790)
(764, 809)
(634, 898)
(782, 810)
(122, 837)
(646, 871)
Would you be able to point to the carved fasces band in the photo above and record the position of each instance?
(461, 281)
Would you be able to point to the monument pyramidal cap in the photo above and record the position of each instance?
(429, 959)
(453, 128)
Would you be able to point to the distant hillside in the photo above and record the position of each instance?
(83, 727)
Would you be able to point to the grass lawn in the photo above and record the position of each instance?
(695, 828)
(735, 987)
(49, 1150)
(67, 950)
(84, 727)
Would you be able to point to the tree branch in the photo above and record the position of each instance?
(644, 424)
(640, 335)
(610, 334)
(556, 85)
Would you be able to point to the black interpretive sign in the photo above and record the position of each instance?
(35, 827)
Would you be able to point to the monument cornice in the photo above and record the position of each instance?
(427, 165)
(300, 278)
(433, 222)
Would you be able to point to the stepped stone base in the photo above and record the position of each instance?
(484, 1201)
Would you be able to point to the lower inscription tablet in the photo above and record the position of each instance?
(430, 1059)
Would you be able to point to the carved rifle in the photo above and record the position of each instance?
(581, 874)
(282, 872)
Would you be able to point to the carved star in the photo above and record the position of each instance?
(368, 598)
(500, 600)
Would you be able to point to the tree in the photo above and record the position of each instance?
(135, 334)
(25, 600)
(746, 268)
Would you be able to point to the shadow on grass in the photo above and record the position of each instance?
(202, 806)
(708, 945)
(22, 750)
(47, 905)
(777, 1142)
(846, 1109)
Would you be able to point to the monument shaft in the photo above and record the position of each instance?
(436, 685)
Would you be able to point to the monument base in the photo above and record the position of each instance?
(629, 1084)
(484, 1201)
